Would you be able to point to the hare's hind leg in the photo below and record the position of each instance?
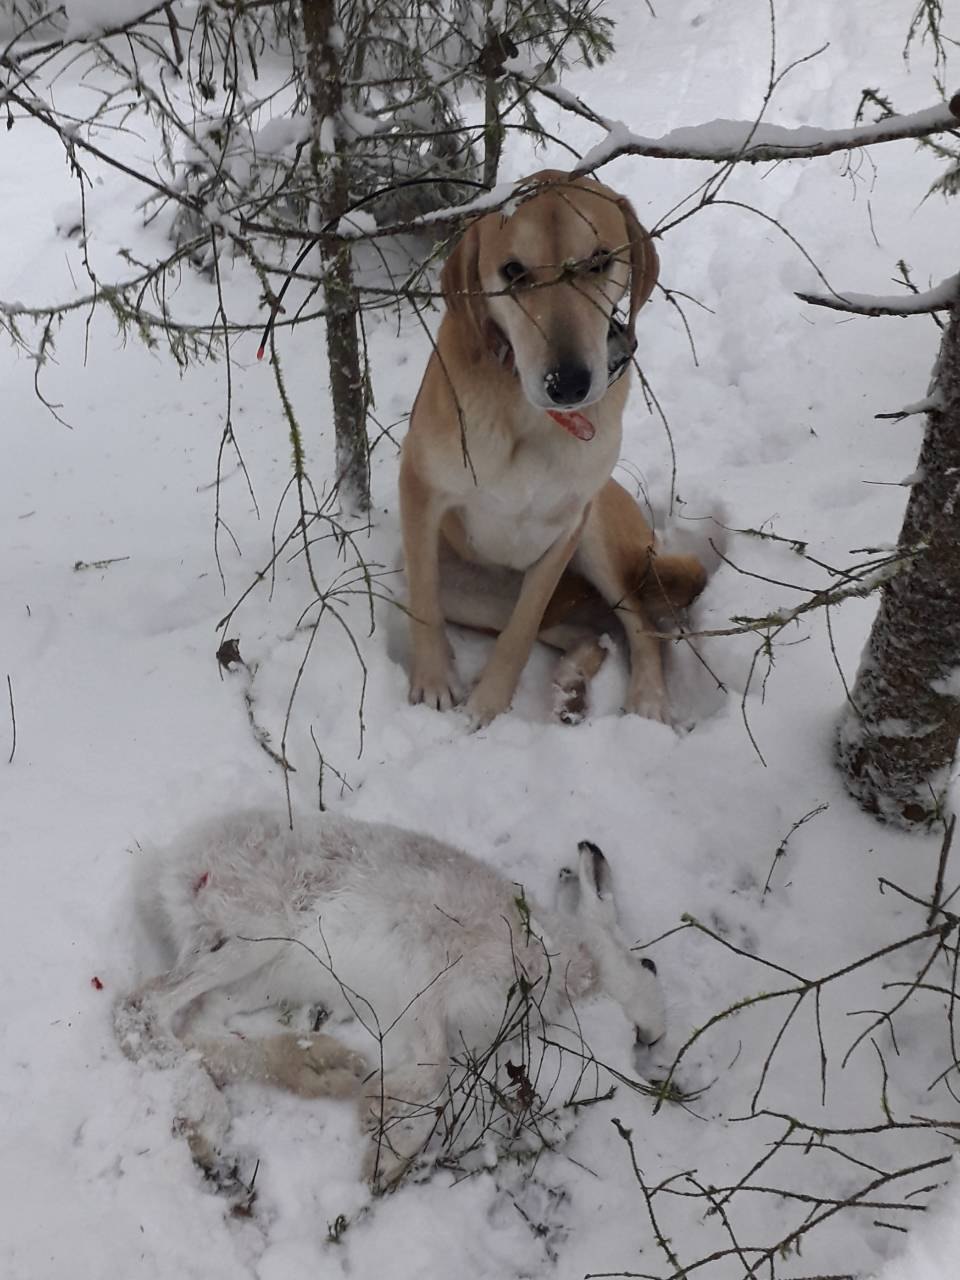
(148, 1021)
(155, 1022)
(312, 1064)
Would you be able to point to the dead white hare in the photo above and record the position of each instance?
(415, 938)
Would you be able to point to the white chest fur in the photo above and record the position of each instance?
(532, 484)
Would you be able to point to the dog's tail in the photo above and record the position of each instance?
(670, 582)
(690, 544)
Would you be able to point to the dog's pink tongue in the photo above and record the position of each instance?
(575, 423)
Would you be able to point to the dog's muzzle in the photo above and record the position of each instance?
(620, 348)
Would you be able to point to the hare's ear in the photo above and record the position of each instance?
(644, 263)
(460, 282)
(596, 883)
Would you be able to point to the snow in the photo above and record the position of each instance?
(359, 220)
(931, 1253)
(127, 730)
(948, 685)
(281, 133)
(91, 18)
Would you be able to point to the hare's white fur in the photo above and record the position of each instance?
(371, 921)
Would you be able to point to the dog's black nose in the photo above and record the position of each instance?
(568, 383)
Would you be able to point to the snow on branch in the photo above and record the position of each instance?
(940, 298)
(747, 140)
(721, 141)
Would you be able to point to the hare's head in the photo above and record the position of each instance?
(587, 895)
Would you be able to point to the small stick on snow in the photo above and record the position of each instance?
(80, 565)
(13, 721)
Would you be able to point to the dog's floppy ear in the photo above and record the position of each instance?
(644, 263)
(460, 283)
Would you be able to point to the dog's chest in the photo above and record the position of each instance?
(528, 496)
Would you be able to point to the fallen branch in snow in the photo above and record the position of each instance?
(765, 1256)
(13, 721)
(804, 986)
(360, 578)
(80, 565)
(856, 583)
(893, 1151)
(261, 735)
(781, 848)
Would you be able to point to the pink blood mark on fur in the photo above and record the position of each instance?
(575, 423)
(202, 882)
(96, 983)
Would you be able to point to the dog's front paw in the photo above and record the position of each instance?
(433, 682)
(650, 703)
(489, 699)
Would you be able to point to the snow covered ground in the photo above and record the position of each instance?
(127, 730)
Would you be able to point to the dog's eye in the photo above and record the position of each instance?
(513, 272)
(598, 261)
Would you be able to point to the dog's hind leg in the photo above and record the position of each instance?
(582, 659)
(614, 555)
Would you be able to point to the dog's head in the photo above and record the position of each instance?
(539, 281)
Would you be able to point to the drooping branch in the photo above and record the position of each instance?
(747, 141)
(940, 298)
(718, 141)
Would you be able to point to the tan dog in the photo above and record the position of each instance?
(505, 476)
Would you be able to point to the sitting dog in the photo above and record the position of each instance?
(511, 521)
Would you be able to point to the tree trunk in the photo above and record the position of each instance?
(492, 132)
(348, 388)
(491, 62)
(897, 741)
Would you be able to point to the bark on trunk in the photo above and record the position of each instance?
(491, 62)
(348, 387)
(897, 743)
(492, 132)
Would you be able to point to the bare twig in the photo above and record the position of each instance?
(941, 869)
(13, 721)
